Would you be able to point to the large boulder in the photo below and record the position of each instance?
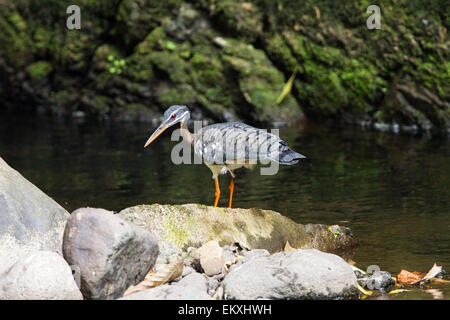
(36, 275)
(178, 227)
(28, 217)
(192, 287)
(298, 274)
(111, 253)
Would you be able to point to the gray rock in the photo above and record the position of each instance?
(379, 280)
(192, 287)
(211, 258)
(111, 253)
(212, 284)
(228, 254)
(29, 218)
(187, 270)
(255, 253)
(38, 275)
(299, 274)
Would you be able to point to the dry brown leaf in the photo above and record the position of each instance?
(165, 274)
(288, 247)
(406, 277)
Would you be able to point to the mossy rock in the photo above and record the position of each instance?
(181, 226)
(39, 70)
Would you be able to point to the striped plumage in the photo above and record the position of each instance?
(224, 147)
(232, 145)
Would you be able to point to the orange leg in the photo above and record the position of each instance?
(231, 192)
(216, 183)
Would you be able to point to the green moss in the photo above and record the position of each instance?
(39, 70)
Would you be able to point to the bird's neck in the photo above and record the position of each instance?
(185, 133)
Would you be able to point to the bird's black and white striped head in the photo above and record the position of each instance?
(173, 115)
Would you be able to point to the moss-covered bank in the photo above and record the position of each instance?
(230, 59)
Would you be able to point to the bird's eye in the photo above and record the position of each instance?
(173, 116)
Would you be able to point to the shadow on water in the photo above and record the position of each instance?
(393, 191)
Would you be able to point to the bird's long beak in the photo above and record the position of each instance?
(155, 134)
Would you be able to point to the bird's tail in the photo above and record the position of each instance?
(289, 157)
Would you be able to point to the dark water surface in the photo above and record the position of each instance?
(393, 191)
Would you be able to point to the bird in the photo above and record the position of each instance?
(225, 147)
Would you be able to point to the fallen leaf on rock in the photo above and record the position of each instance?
(165, 274)
(351, 262)
(406, 277)
(288, 247)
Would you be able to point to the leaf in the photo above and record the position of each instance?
(398, 291)
(433, 272)
(364, 291)
(351, 262)
(287, 88)
(288, 247)
(170, 45)
(406, 277)
(439, 281)
(165, 274)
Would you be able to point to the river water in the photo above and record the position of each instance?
(393, 191)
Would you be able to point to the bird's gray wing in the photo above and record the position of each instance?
(236, 142)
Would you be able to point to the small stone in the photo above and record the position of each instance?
(211, 258)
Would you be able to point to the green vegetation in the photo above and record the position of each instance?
(231, 59)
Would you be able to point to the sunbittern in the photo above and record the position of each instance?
(227, 146)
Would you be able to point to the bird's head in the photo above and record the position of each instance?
(172, 115)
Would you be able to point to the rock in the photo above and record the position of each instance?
(299, 274)
(191, 287)
(111, 253)
(38, 275)
(29, 218)
(379, 280)
(211, 258)
(255, 253)
(413, 104)
(178, 227)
